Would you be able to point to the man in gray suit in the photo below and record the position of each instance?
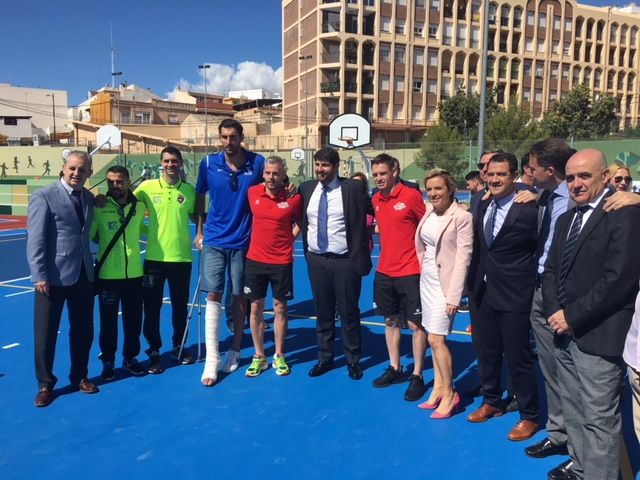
(62, 271)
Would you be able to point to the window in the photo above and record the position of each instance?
(433, 30)
(531, 19)
(417, 86)
(528, 44)
(399, 55)
(556, 22)
(538, 95)
(10, 121)
(541, 46)
(418, 56)
(432, 86)
(554, 71)
(420, 3)
(542, 20)
(435, 4)
(475, 37)
(527, 68)
(418, 28)
(385, 52)
(553, 96)
(173, 119)
(400, 26)
(402, 2)
(431, 113)
(384, 82)
(566, 48)
(416, 112)
(433, 58)
(462, 36)
(568, 25)
(383, 109)
(526, 96)
(565, 72)
(385, 24)
(555, 47)
(539, 70)
(398, 112)
(399, 84)
(143, 118)
(448, 34)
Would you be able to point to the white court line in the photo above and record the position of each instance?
(15, 279)
(18, 293)
(11, 345)
(9, 233)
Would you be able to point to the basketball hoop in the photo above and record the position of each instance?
(348, 140)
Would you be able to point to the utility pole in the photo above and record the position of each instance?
(53, 108)
(205, 67)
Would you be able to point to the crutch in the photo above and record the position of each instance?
(196, 296)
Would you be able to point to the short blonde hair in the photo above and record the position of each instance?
(446, 176)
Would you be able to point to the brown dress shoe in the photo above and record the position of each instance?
(85, 386)
(484, 413)
(523, 430)
(44, 397)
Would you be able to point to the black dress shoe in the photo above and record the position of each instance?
(44, 397)
(511, 404)
(545, 448)
(562, 472)
(320, 368)
(355, 372)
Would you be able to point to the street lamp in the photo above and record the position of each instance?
(205, 67)
(304, 59)
(53, 106)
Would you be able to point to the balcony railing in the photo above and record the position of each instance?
(329, 87)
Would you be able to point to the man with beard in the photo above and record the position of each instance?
(120, 272)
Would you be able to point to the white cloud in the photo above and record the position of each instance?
(244, 76)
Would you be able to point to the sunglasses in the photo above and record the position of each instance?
(233, 177)
(619, 178)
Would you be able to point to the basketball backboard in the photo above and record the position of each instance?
(297, 154)
(109, 135)
(349, 130)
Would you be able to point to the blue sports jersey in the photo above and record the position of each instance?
(229, 217)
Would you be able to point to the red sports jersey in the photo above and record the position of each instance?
(398, 216)
(271, 230)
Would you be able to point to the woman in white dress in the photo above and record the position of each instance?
(444, 241)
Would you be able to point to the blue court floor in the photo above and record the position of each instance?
(169, 426)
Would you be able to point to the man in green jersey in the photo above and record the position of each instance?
(119, 278)
(170, 202)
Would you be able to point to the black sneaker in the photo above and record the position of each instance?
(416, 389)
(389, 377)
(133, 367)
(155, 367)
(186, 359)
(108, 371)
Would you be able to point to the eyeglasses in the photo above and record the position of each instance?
(233, 177)
(619, 178)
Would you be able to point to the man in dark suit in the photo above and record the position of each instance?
(62, 271)
(588, 289)
(501, 281)
(336, 247)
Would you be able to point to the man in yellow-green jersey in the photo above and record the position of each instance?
(170, 202)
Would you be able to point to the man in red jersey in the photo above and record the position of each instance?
(270, 261)
(396, 286)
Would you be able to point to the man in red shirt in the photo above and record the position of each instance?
(270, 261)
(396, 286)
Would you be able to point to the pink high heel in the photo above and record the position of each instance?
(454, 408)
(430, 406)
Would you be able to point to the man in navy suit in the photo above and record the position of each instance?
(588, 289)
(336, 246)
(501, 282)
(62, 272)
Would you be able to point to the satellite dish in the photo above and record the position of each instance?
(66, 152)
(109, 134)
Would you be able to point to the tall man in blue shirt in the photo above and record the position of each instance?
(223, 236)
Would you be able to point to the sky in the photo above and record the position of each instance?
(158, 44)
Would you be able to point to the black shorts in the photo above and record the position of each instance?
(398, 296)
(258, 276)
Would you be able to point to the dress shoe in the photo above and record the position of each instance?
(545, 448)
(44, 397)
(454, 408)
(320, 368)
(85, 386)
(484, 413)
(355, 372)
(523, 430)
(562, 472)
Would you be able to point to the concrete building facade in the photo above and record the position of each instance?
(393, 61)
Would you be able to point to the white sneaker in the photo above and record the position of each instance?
(231, 361)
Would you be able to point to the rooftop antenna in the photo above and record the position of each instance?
(113, 57)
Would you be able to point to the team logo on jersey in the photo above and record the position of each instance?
(157, 200)
(377, 208)
(181, 199)
(283, 205)
(399, 206)
(257, 202)
(247, 290)
(114, 225)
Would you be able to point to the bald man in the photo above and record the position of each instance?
(589, 287)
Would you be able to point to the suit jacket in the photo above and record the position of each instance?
(602, 280)
(357, 204)
(509, 263)
(57, 243)
(453, 249)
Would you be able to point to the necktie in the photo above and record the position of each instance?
(545, 227)
(77, 204)
(490, 223)
(323, 220)
(568, 251)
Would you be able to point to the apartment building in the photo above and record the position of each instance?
(393, 61)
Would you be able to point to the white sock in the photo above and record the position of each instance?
(211, 323)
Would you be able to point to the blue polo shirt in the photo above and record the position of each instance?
(229, 217)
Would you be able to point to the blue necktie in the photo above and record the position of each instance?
(77, 204)
(568, 251)
(323, 220)
(490, 223)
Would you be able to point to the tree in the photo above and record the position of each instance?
(578, 115)
(462, 111)
(442, 147)
(512, 130)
